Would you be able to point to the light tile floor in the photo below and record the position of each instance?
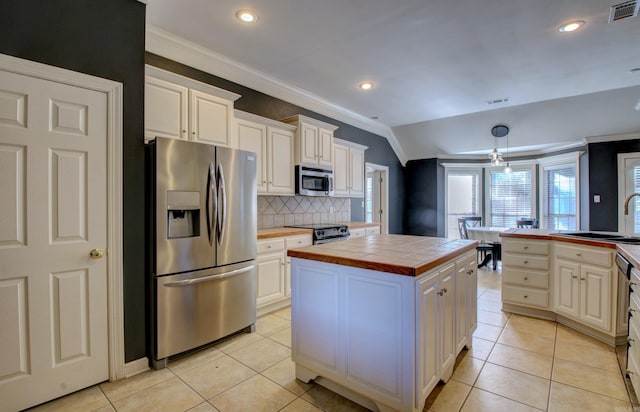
(516, 364)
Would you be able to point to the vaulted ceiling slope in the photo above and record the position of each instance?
(434, 64)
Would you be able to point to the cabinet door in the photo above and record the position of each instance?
(595, 296)
(165, 112)
(308, 150)
(270, 278)
(356, 169)
(461, 303)
(210, 119)
(472, 298)
(427, 335)
(253, 137)
(280, 161)
(567, 293)
(447, 316)
(341, 170)
(325, 147)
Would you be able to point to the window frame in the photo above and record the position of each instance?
(455, 167)
(515, 166)
(554, 162)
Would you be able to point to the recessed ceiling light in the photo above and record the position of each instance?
(366, 85)
(247, 16)
(571, 26)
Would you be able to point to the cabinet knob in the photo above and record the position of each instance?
(442, 291)
(270, 182)
(629, 339)
(574, 276)
(526, 262)
(184, 131)
(628, 372)
(631, 310)
(526, 247)
(193, 133)
(269, 246)
(526, 296)
(578, 254)
(581, 278)
(526, 278)
(470, 272)
(632, 283)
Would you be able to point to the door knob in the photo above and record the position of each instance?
(96, 253)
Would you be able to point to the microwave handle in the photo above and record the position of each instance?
(325, 183)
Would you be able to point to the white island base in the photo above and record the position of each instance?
(382, 339)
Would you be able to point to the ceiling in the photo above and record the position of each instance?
(435, 65)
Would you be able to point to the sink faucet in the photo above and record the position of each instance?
(626, 202)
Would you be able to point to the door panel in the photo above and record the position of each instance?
(237, 206)
(53, 140)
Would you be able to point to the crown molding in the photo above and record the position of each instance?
(612, 137)
(173, 47)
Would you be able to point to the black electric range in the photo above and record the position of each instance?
(326, 232)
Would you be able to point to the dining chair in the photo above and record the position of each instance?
(486, 250)
(527, 223)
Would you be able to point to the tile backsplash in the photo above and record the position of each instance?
(275, 211)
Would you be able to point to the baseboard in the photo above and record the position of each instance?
(135, 367)
(272, 307)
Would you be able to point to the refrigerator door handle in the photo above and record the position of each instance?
(212, 201)
(222, 222)
(188, 282)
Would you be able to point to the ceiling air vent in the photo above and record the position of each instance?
(623, 11)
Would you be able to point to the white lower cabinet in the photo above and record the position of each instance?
(271, 271)
(436, 334)
(633, 356)
(584, 284)
(374, 230)
(274, 273)
(387, 338)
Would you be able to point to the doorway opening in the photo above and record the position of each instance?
(376, 202)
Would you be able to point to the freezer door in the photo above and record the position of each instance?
(196, 308)
(237, 232)
(185, 196)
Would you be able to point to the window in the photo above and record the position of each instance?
(511, 195)
(628, 184)
(560, 197)
(463, 197)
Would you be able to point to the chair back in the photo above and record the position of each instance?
(473, 221)
(527, 223)
(462, 228)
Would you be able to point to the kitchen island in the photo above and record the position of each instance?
(381, 319)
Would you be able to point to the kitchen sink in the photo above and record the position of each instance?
(607, 237)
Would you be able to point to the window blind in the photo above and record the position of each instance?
(636, 200)
(463, 197)
(560, 197)
(511, 197)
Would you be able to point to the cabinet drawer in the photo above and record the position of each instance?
(372, 230)
(534, 247)
(270, 245)
(526, 278)
(634, 310)
(526, 261)
(525, 296)
(298, 241)
(593, 255)
(356, 232)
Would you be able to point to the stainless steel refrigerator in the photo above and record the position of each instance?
(204, 245)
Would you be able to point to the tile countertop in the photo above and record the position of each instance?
(292, 231)
(399, 254)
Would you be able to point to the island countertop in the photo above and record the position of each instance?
(400, 254)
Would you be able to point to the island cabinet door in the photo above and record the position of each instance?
(427, 336)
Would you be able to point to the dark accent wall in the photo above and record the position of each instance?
(252, 101)
(603, 181)
(104, 39)
(424, 212)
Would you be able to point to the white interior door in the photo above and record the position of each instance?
(53, 212)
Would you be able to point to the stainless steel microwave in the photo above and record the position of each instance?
(314, 181)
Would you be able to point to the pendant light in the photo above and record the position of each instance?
(499, 130)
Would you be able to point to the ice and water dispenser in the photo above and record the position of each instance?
(183, 214)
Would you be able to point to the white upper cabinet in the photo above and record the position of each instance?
(183, 108)
(348, 168)
(313, 143)
(272, 141)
